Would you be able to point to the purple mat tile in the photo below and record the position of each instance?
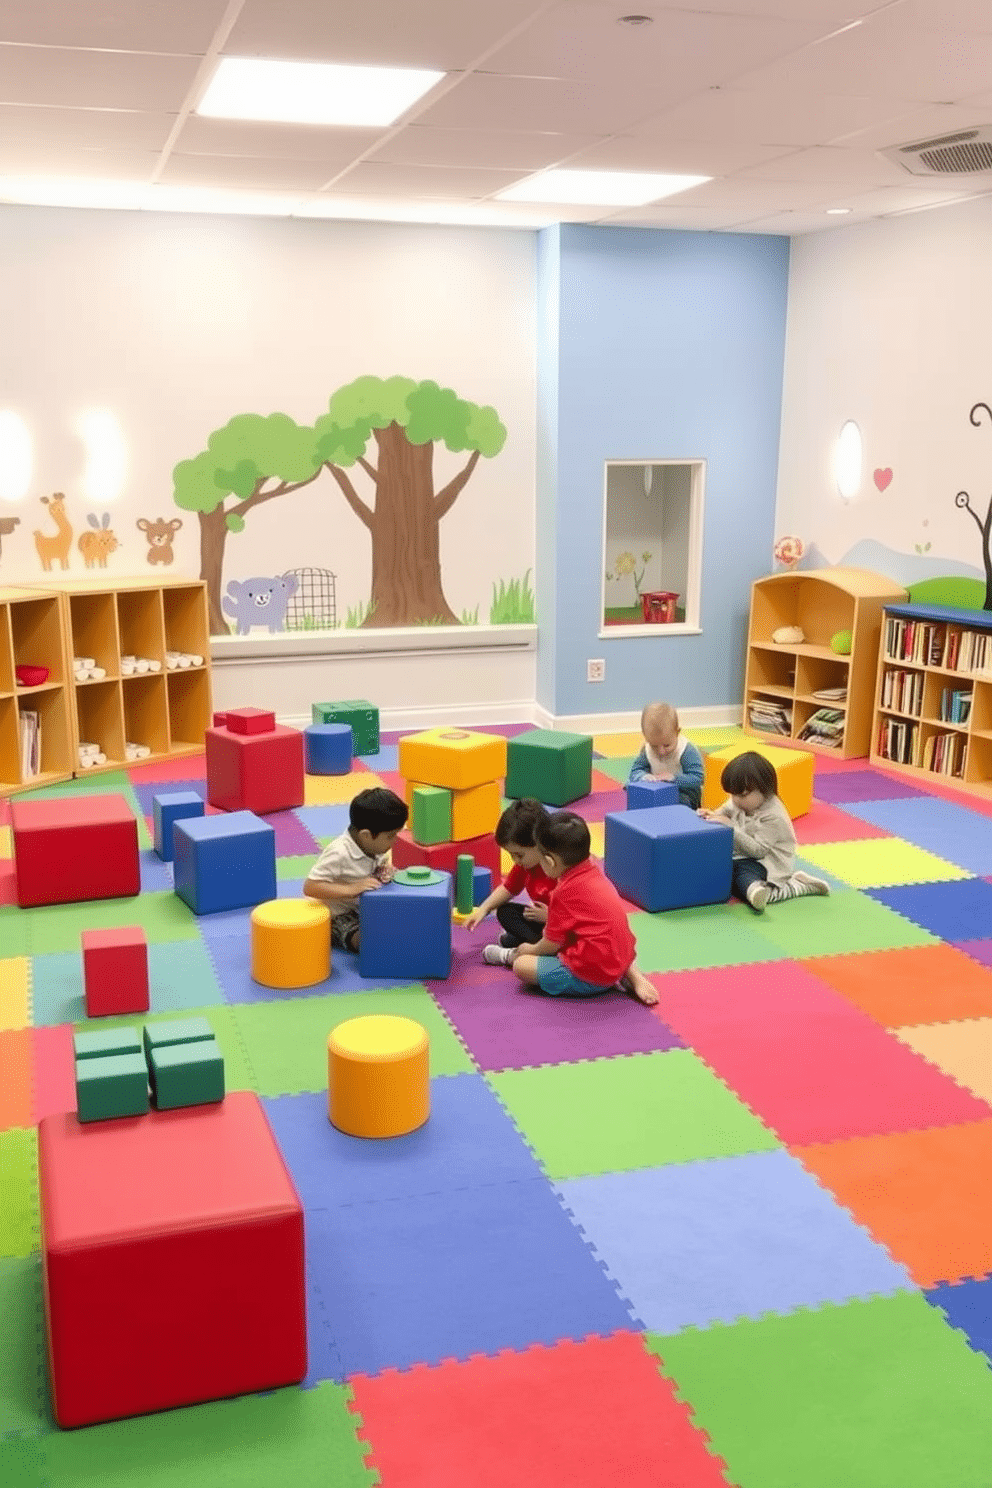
(978, 950)
(146, 793)
(595, 807)
(293, 839)
(861, 785)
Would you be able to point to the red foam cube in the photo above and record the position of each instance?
(445, 855)
(249, 721)
(219, 720)
(172, 1247)
(76, 848)
(115, 971)
(254, 772)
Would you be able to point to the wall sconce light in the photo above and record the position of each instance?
(848, 460)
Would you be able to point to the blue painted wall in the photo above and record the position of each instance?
(663, 345)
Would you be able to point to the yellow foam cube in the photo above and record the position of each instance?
(794, 768)
(475, 811)
(452, 757)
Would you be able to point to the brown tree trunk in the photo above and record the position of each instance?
(406, 536)
(213, 535)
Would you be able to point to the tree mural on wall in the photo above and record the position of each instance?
(963, 500)
(254, 459)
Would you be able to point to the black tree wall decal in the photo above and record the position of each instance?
(963, 500)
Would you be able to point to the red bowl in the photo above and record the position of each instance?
(31, 676)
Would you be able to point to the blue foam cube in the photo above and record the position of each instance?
(667, 857)
(642, 794)
(329, 748)
(224, 862)
(406, 930)
(168, 808)
(482, 884)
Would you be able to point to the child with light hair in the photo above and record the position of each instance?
(668, 755)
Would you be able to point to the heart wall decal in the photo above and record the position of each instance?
(883, 478)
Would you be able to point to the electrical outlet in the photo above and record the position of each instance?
(595, 671)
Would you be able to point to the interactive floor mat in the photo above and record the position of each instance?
(744, 1237)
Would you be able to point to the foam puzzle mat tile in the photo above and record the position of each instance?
(923, 984)
(712, 935)
(826, 823)
(955, 912)
(841, 924)
(338, 790)
(945, 828)
(15, 992)
(962, 1050)
(17, 1073)
(23, 1395)
(20, 1228)
(967, 1305)
(880, 862)
(864, 785)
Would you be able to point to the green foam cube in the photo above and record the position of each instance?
(114, 1085)
(430, 815)
(553, 767)
(96, 1044)
(186, 1074)
(363, 717)
(176, 1031)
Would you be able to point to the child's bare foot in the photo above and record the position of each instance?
(635, 984)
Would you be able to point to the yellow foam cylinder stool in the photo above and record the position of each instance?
(378, 1076)
(794, 768)
(290, 943)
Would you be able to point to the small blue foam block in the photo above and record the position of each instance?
(406, 930)
(642, 794)
(224, 862)
(482, 884)
(329, 748)
(667, 857)
(171, 807)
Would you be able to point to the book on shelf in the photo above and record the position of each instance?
(903, 691)
(955, 705)
(914, 640)
(899, 741)
(30, 726)
(769, 717)
(825, 726)
(831, 694)
(945, 754)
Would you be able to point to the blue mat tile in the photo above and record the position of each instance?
(968, 1305)
(466, 1120)
(941, 827)
(703, 1242)
(386, 759)
(323, 821)
(230, 958)
(956, 911)
(412, 1280)
(146, 793)
(156, 876)
(180, 977)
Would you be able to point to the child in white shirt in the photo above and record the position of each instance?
(668, 755)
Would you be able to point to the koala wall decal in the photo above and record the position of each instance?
(259, 601)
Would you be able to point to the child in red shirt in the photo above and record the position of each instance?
(520, 922)
(588, 946)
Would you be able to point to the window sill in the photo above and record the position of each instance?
(417, 639)
(625, 632)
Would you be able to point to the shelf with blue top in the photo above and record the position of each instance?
(933, 696)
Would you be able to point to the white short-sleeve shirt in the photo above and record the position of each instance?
(343, 861)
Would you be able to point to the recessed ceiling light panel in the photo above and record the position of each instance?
(313, 92)
(598, 188)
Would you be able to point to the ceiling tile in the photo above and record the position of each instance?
(24, 159)
(770, 117)
(79, 79)
(244, 173)
(420, 144)
(446, 34)
(918, 124)
(84, 128)
(483, 100)
(907, 198)
(201, 136)
(844, 167)
(423, 180)
(836, 11)
(685, 157)
(125, 25)
(951, 15)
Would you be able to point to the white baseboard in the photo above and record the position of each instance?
(397, 720)
(724, 715)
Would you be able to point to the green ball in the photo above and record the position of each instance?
(841, 642)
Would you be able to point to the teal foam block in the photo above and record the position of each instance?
(116, 1085)
(186, 1075)
(106, 1041)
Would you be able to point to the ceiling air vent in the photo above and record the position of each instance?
(968, 152)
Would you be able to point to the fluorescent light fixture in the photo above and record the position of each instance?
(313, 92)
(16, 456)
(447, 213)
(847, 460)
(598, 188)
(838, 211)
(106, 455)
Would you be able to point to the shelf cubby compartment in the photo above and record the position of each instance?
(37, 636)
(10, 746)
(141, 623)
(146, 719)
(978, 771)
(100, 720)
(802, 713)
(981, 708)
(816, 672)
(189, 708)
(771, 669)
(93, 631)
(185, 614)
(52, 707)
(7, 683)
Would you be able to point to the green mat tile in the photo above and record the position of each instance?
(295, 867)
(880, 862)
(24, 1462)
(58, 927)
(23, 1391)
(878, 1394)
(19, 1225)
(616, 769)
(112, 783)
(614, 1115)
(287, 1040)
(838, 926)
(257, 1441)
(238, 1073)
(694, 939)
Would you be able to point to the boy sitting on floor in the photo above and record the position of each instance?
(357, 861)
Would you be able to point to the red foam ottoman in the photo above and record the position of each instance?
(76, 848)
(172, 1247)
(254, 772)
(445, 855)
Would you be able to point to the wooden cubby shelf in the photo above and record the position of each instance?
(32, 634)
(784, 685)
(933, 695)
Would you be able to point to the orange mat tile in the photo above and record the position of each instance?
(15, 1079)
(920, 984)
(962, 1050)
(924, 1195)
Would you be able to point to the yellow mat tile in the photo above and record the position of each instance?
(617, 746)
(15, 993)
(962, 1050)
(597, 838)
(336, 790)
(6, 843)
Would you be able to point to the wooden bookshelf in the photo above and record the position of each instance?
(933, 696)
(820, 602)
(32, 634)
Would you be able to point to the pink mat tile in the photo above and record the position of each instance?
(825, 823)
(54, 1073)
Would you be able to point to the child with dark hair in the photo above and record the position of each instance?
(587, 946)
(764, 870)
(515, 835)
(357, 861)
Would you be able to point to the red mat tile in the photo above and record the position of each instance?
(826, 823)
(54, 1087)
(15, 1078)
(919, 984)
(925, 1195)
(811, 1066)
(579, 1415)
(8, 881)
(182, 767)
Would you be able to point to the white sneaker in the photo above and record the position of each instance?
(810, 884)
(497, 955)
(757, 896)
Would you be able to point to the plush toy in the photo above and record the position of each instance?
(259, 601)
(841, 642)
(788, 635)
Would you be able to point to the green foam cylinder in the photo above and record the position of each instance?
(464, 872)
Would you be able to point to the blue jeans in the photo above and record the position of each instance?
(747, 871)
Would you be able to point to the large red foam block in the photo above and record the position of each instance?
(255, 772)
(172, 1247)
(76, 848)
(445, 855)
(115, 971)
(249, 720)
